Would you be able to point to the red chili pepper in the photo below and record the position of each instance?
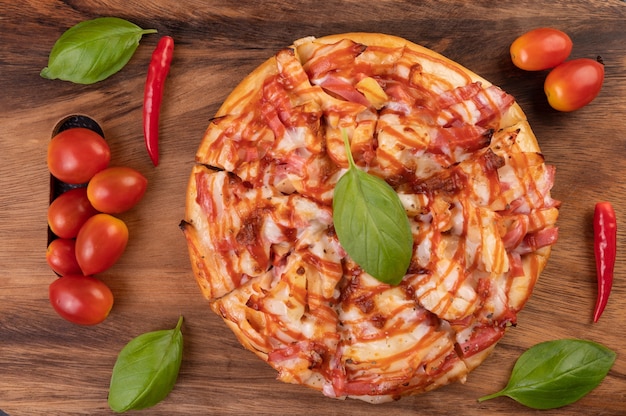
(153, 94)
(605, 245)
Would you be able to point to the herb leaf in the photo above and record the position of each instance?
(557, 373)
(93, 50)
(146, 369)
(371, 223)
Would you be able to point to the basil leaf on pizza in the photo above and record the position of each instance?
(371, 223)
(446, 200)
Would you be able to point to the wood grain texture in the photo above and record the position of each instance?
(51, 367)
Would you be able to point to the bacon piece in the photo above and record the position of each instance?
(516, 231)
(278, 107)
(250, 236)
(214, 208)
(344, 89)
(400, 93)
(526, 183)
(273, 108)
(476, 106)
(491, 161)
(543, 238)
(292, 75)
(231, 141)
(410, 99)
(517, 268)
(311, 352)
(481, 337)
(454, 139)
(449, 98)
(450, 181)
(328, 58)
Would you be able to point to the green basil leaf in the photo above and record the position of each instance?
(93, 50)
(146, 369)
(371, 223)
(557, 373)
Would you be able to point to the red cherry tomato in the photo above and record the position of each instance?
(76, 154)
(115, 190)
(61, 256)
(83, 300)
(541, 48)
(69, 211)
(574, 84)
(101, 241)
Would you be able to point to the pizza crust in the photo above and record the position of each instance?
(251, 302)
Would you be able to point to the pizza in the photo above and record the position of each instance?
(466, 166)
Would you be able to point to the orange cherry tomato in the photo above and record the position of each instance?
(76, 154)
(541, 48)
(69, 211)
(83, 300)
(117, 189)
(61, 256)
(574, 84)
(101, 241)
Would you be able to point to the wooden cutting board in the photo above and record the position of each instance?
(52, 367)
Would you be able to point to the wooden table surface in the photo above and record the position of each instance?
(52, 367)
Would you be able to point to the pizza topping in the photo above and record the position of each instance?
(371, 223)
(330, 58)
(480, 338)
(383, 346)
(344, 89)
(373, 92)
(483, 108)
(282, 233)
